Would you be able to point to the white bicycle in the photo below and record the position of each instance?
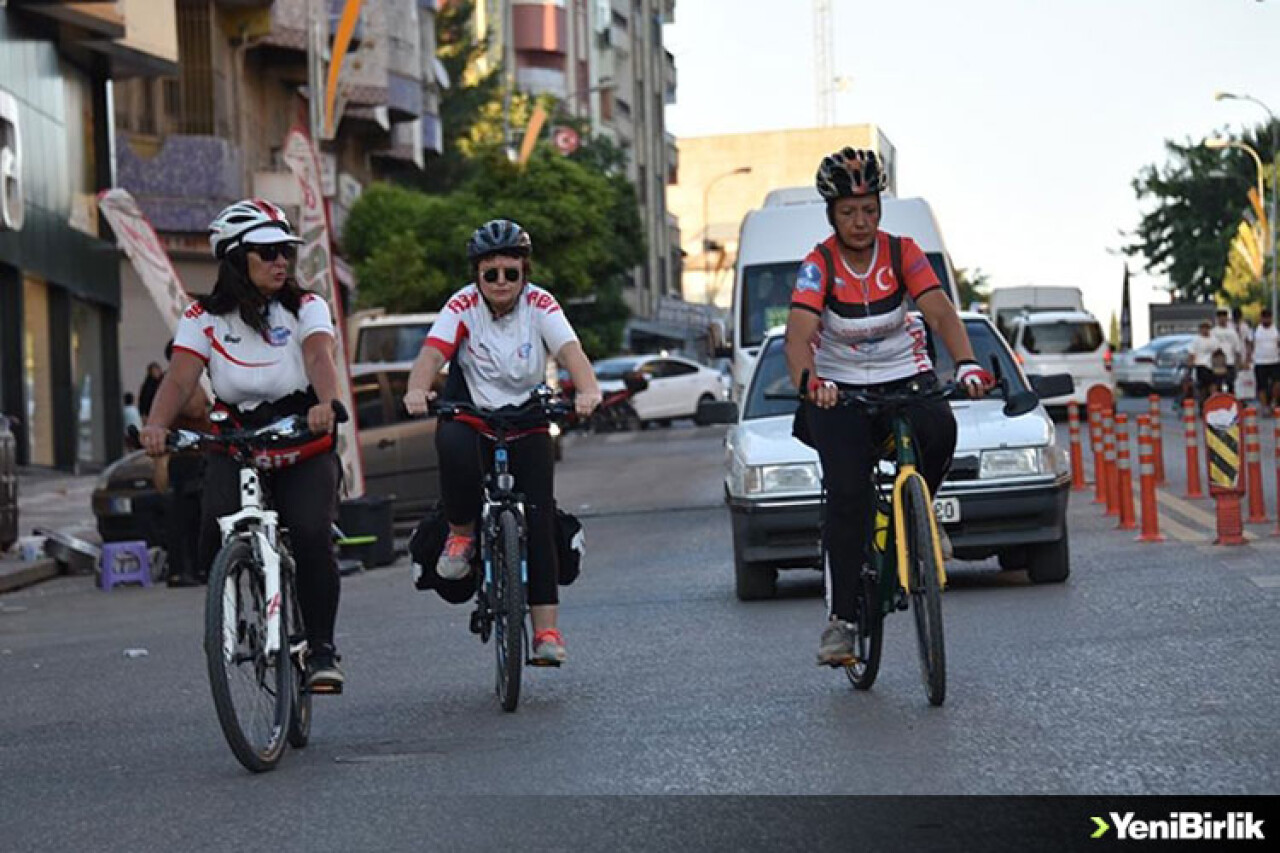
(254, 638)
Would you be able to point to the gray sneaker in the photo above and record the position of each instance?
(944, 542)
(455, 560)
(836, 646)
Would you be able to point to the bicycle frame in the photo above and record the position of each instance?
(262, 525)
(499, 494)
(904, 441)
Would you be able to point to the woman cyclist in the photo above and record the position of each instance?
(850, 329)
(496, 333)
(268, 346)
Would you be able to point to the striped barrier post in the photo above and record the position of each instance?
(1147, 482)
(1191, 431)
(1109, 463)
(1077, 452)
(1275, 413)
(1253, 468)
(1222, 452)
(1124, 474)
(1099, 469)
(1157, 438)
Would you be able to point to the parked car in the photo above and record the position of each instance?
(1006, 494)
(391, 338)
(1051, 342)
(676, 385)
(399, 454)
(1134, 371)
(1171, 367)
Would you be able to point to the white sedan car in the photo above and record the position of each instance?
(1006, 493)
(676, 385)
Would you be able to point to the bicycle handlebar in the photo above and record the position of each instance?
(542, 406)
(288, 428)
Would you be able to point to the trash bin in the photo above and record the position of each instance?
(363, 517)
(8, 486)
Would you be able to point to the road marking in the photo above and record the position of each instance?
(1194, 513)
(1266, 581)
(1183, 534)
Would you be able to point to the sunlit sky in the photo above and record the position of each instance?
(1023, 122)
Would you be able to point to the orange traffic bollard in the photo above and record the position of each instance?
(1157, 439)
(1147, 483)
(1253, 468)
(1077, 452)
(1275, 413)
(1099, 470)
(1109, 463)
(1222, 445)
(1191, 429)
(1124, 474)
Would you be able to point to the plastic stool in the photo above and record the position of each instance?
(125, 562)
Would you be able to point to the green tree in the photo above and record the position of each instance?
(1196, 202)
(973, 286)
(409, 247)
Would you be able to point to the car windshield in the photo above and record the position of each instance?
(391, 343)
(771, 378)
(615, 368)
(1062, 337)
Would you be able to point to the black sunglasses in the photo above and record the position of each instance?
(512, 274)
(272, 251)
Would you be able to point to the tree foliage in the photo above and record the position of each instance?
(1196, 202)
(973, 286)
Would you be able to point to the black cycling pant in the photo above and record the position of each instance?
(186, 481)
(466, 456)
(306, 497)
(848, 440)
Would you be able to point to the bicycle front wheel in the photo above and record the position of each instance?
(509, 609)
(252, 690)
(300, 716)
(868, 633)
(926, 593)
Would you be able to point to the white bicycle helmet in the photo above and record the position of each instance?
(850, 172)
(253, 220)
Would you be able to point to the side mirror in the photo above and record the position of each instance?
(1053, 385)
(716, 412)
(1020, 403)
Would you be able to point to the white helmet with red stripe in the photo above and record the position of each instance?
(253, 220)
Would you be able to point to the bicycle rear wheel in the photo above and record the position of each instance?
(926, 593)
(509, 609)
(252, 691)
(868, 635)
(300, 716)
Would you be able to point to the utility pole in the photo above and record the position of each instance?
(823, 76)
(317, 29)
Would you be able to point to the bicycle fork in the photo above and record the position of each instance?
(905, 473)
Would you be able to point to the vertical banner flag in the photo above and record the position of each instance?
(141, 245)
(315, 273)
(1126, 317)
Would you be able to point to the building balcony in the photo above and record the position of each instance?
(539, 26)
(289, 25)
(182, 184)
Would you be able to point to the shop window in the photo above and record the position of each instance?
(37, 372)
(87, 375)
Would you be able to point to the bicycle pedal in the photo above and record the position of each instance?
(553, 664)
(325, 690)
(477, 622)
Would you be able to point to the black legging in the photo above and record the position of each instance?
(306, 497)
(848, 442)
(465, 456)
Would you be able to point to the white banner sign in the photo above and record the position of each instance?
(139, 241)
(315, 273)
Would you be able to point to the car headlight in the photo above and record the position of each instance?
(1022, 462)
(766, 479)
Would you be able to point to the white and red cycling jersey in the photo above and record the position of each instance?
(866, 336)
(502, 358)
(247, 368)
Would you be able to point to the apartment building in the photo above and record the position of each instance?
(189, 144)
(605, 61)
(60, 297)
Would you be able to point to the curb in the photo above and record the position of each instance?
(16, 575)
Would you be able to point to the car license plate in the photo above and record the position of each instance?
(947, 510)
(121, 506)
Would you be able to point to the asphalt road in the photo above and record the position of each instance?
(1152, 671)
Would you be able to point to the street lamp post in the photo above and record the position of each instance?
(1275, 186)
(1217, 143)
(707, 242)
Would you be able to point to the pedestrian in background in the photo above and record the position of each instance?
(1266, 360)
(1245, 333)
(147, 392)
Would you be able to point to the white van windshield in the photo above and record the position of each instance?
(766, 295)
(1061, 338)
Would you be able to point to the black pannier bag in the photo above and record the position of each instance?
(425, 547)
(571, 545)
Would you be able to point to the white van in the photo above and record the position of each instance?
(1049, 342)
(773, 241)
(1007, 303)
(391, 337)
